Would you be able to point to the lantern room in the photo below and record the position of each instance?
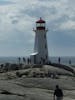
(40, 24)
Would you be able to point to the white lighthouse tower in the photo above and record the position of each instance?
(40, 55)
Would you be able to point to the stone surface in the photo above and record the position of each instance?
(35, 88)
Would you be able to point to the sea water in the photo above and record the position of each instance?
(63, 60)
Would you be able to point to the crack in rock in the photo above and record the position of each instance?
(10, 93)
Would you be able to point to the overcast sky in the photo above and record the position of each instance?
(17, 19)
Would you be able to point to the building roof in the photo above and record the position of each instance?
(35, 53)
(40, 21)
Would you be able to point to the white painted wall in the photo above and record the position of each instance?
(39, 46)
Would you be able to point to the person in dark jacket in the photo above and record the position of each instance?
(58, 93)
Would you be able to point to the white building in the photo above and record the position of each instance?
(40, 55)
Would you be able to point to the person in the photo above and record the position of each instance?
(70, 62)
(59, 60)
(58, 93)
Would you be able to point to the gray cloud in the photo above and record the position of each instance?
(6, 2)
(18, 20)
(14, 21)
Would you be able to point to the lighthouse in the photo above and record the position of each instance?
(40, 55)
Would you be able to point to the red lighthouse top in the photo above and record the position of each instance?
(40, 21)
(40, 24)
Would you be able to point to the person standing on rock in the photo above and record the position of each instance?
(58, 93)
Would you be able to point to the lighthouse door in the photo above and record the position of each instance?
(34, 59)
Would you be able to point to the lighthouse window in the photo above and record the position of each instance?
(46, 56)
(37, 25)
(43, 24)
(40, 24)
(44, 36)
(45, 46)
